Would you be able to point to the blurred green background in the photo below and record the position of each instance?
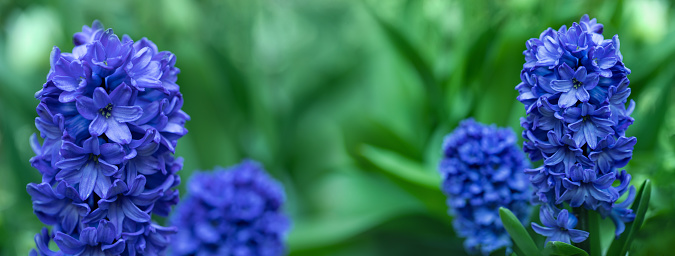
(345, 102)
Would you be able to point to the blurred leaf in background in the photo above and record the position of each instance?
(345, 102)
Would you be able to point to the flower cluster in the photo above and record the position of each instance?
(482, 169)
(575, 90)
(110, 116)
(235, 211)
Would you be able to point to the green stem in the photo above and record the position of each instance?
(581, 214)
(589, 221)
(594, 230)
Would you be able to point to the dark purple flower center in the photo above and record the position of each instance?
(576, 83)
(106, 111)
(94, 158)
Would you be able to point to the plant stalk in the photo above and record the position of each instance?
(589, 221)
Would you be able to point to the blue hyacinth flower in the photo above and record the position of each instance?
(559, 226)
(109, 117)
(234, 211)
(575, 92)
(482, 170)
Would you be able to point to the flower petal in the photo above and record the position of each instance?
(118, 132)
(578, 236)
(68, 244)
(86, 107)
(99, 126)
(567, 99)
(102, 184)
(89, 175)
(583, 95)
(126, 113)
(133, 212)
(561, 85)
(101, 98)
(121, 95)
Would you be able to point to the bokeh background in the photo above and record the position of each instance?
(345, 102)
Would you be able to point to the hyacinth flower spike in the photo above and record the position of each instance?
(575, 92)
(110, 117)
(234, 211)
(482, 170)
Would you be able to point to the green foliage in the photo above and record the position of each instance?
(521, 239)
(563, 249)
(345, 102)
(621, 245)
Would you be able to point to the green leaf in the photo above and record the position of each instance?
(402, 167)
(563, 249)
(521, 238)
(621, 245)
(359, 202)
(412, 56)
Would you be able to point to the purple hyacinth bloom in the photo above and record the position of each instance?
(590, 25)
(620, 213)
(61, 206)
(618, 96)
(603, 59)
(561, 151)
(140, 72)
(613, 153)
(108, 53)
(559, 226)
(92, 241)
(574, 39)
(549, 52)
(235, 211)
(108, 145)
(90, 166)
(482, 170)
(583, 186)
(42, 240)
(574, 85)
(110, 113)
(125, 202)
(589, 123)
(575, 92)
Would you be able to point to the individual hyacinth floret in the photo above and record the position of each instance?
(482, 170)
(110, 116)
(575, 91)
(234, 211)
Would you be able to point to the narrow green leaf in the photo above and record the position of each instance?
(412, 55)
(621, 245)
(563, 249)
(521, 238)
(402, 167)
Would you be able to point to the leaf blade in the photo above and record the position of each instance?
(563, 249)
(621, 245)
(517, 232)
(401, 167)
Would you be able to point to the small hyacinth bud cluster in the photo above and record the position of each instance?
(575, 90)
(482, 170)
(110, 116)
(234, 211)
